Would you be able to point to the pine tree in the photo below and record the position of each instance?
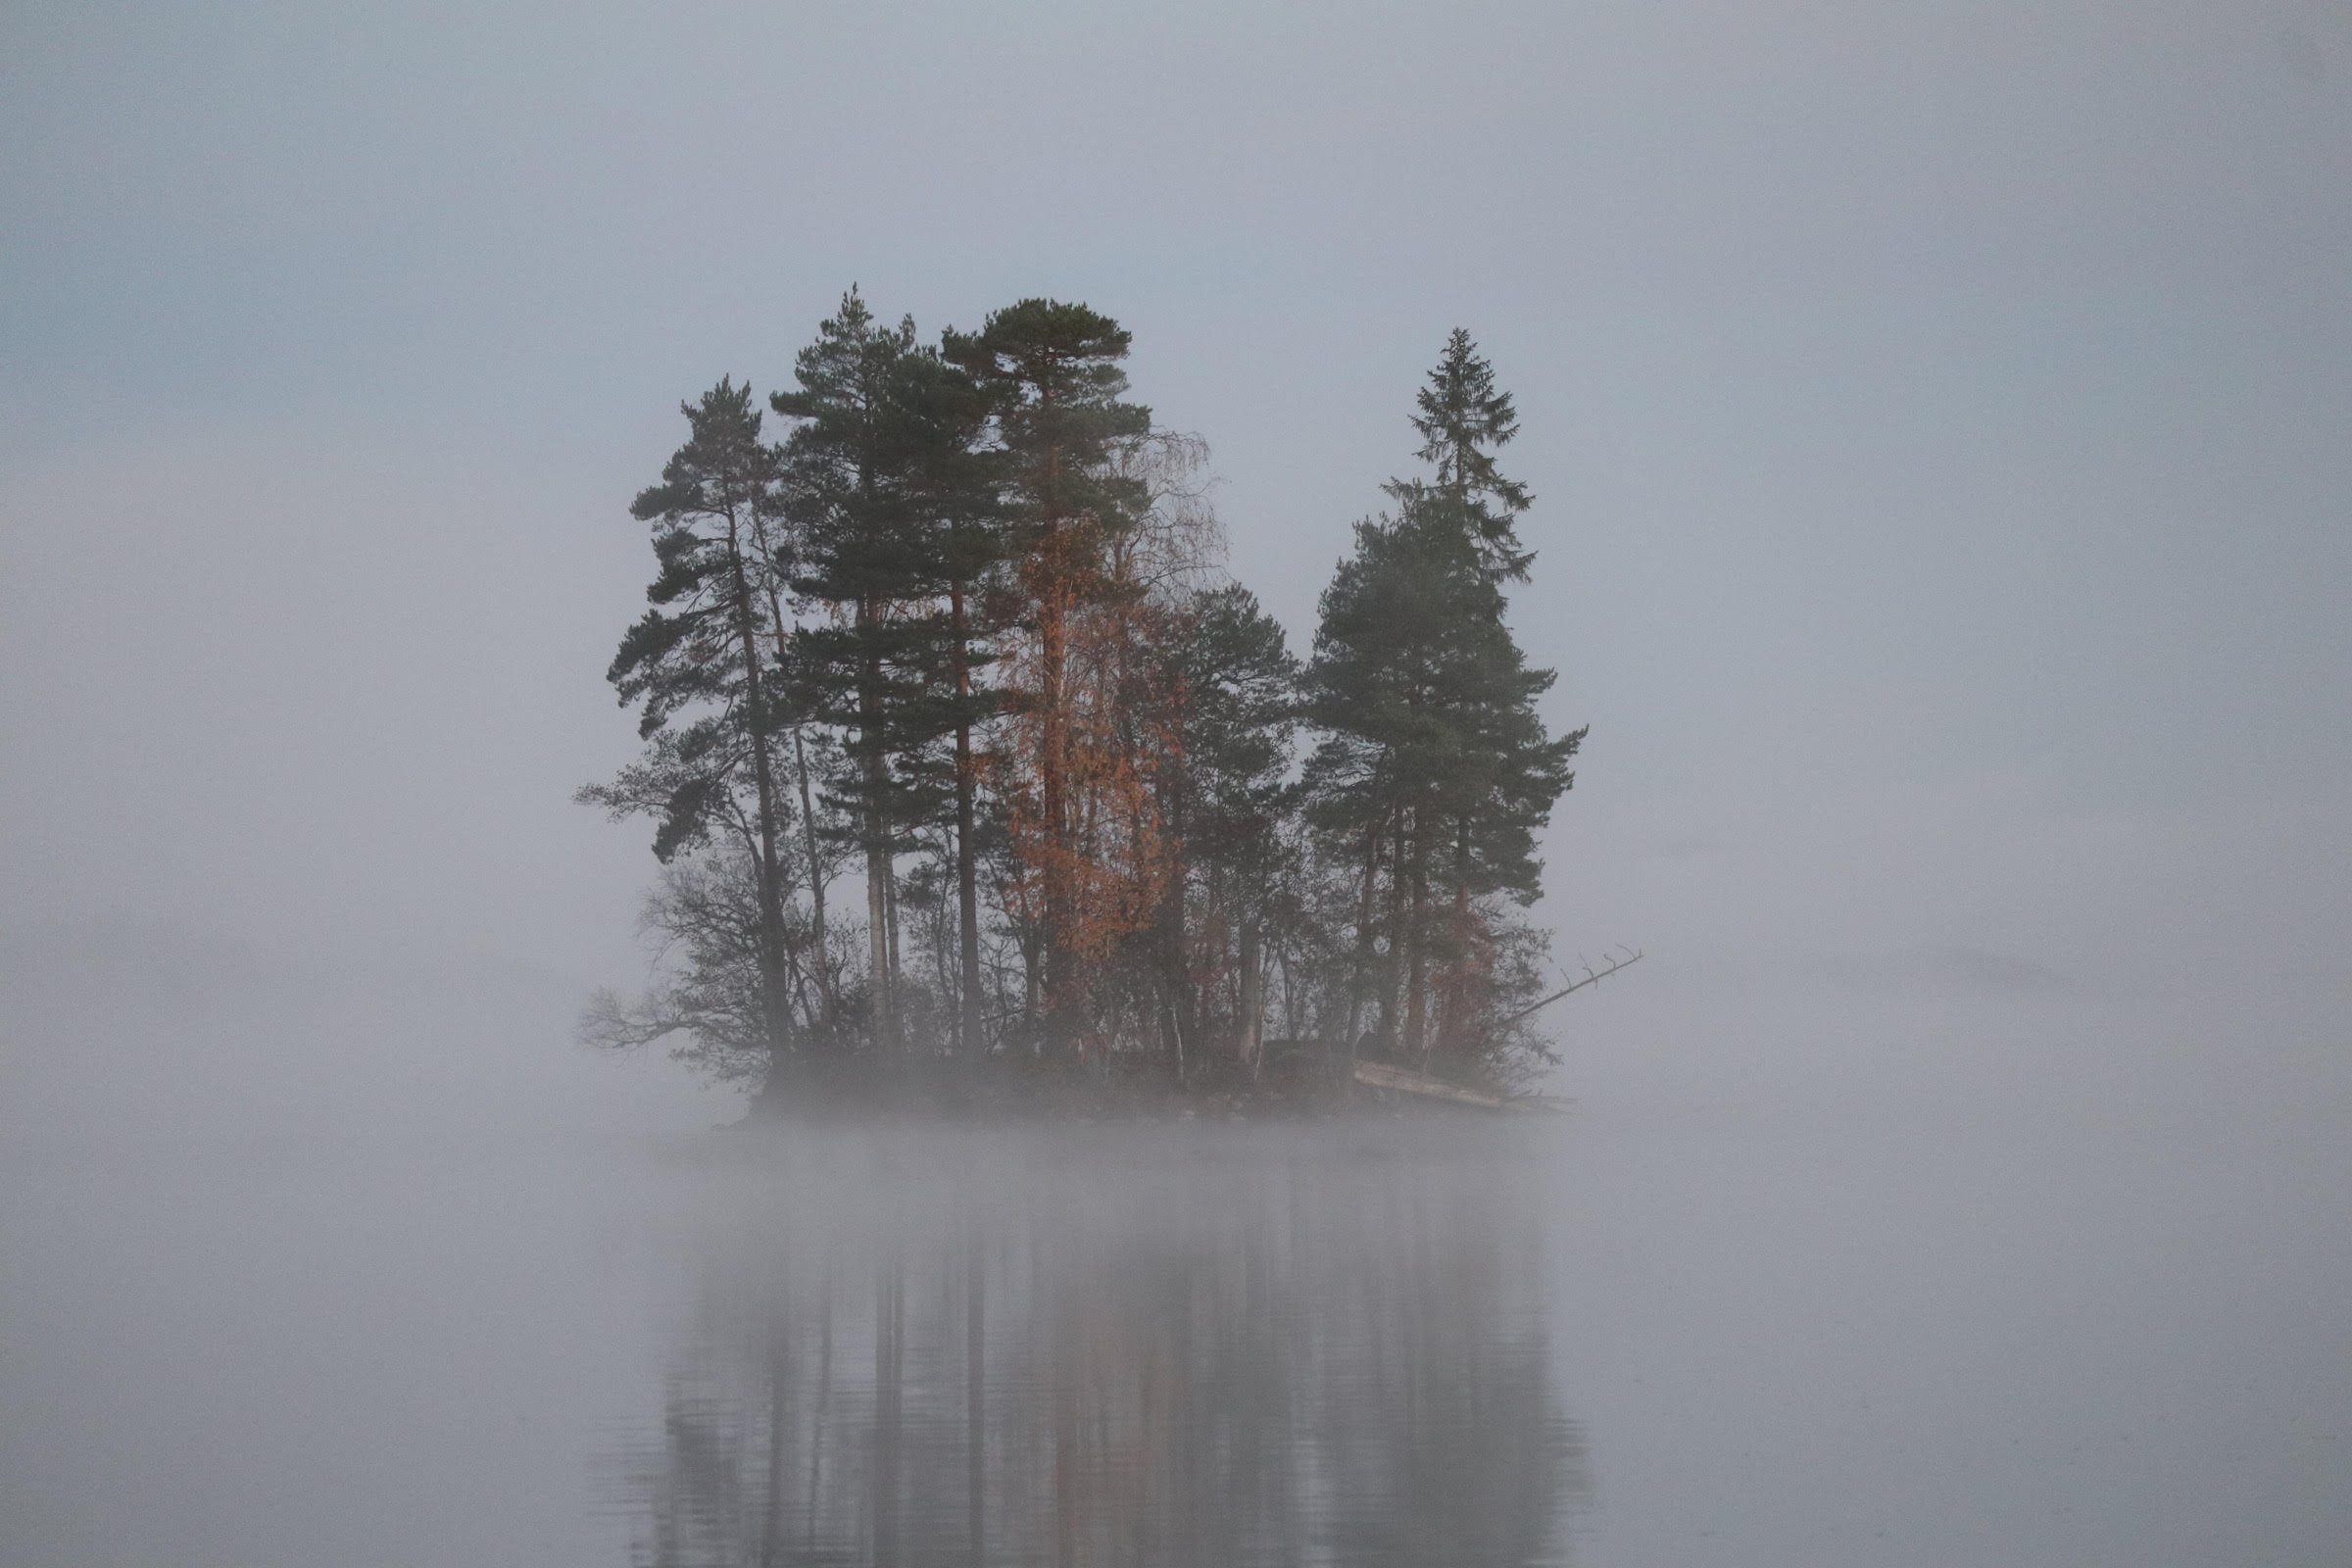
(705, 682)
(881, 488)
(1051, 375)
(964, 545)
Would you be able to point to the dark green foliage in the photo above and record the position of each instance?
(1053, 377)
(1461, 416)
(1224, 798)
(1240, 698)
(1435, 773)
(876, 423)
(1428, 706)
(687, 779)
(893, 519)
(715, 518)
(699, 656)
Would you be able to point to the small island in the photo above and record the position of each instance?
(961, 639)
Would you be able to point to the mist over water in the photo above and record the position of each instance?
(1945, 1272)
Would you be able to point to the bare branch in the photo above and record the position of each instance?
(1591, 977)
(609, 1023)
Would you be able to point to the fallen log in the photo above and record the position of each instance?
(1378, 1075)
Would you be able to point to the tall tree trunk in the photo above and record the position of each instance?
(775, 1000)
(827, 995)
(878, 945)
(1457, 1001)
(1054, 592)
(1392, 964)
(897, 972)
(938, 927)
(876, 829)
(1053, 783)
(817, 890)
(1416, 996)
(1365, 910)
(1168, 934)
(969, 1040)
(1033, 985)
(1253, 1012)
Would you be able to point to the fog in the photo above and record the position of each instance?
(1936, 419)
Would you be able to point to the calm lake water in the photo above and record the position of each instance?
(2043, 1284)
(1115, 1345)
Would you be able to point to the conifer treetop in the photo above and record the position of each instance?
(1462, 419)
(1053, 373)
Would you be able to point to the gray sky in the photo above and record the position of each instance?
(1939, 415)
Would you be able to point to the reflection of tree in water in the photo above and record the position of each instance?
(1067, 1360)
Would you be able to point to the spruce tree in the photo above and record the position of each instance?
(1437, 771)
(1461, 415)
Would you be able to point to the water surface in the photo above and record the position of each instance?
(2058, 1281)
(1131, 1343)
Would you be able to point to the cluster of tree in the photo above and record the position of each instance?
(963, 637)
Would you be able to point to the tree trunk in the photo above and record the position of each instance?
(1168, 935)
(877, 945)
(890, 903)
(1451, 1034)
(828, 996)
(970, 1040)
(1253, 1012)
(876, 829)
(1061, 1023)
(1391, 966)
(775, 1001)
(1363, 933)
(1416, 994)
(824, 965)
(1033, 987)
(1052, 590)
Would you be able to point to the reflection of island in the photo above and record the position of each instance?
(1256, 1353)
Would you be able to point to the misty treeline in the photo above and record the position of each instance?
(960, 742)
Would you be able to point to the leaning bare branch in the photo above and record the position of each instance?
(1591, 977)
